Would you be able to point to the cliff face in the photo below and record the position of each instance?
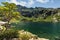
(29, 12)
(45, 13)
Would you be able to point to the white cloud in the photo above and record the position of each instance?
(31, 2)
(23, 3)
(12, 1)
(43, 1)
(16, 2)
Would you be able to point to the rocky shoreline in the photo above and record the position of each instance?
(32, 36)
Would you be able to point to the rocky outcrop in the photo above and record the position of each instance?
(29, 36)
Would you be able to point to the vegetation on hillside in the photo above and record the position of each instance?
(9, 11)
(39, 13)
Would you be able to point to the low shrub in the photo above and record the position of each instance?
(9, 34)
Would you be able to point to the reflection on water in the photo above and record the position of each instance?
(42, 29)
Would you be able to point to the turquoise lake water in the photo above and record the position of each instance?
(42, 29)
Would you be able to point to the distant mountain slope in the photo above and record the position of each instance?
(37, 11)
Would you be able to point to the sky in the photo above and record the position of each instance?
(35, 3)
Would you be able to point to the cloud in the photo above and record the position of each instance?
(23, 3)
(43, 1)
(31, 2)
(16, 2)
(12, 1)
